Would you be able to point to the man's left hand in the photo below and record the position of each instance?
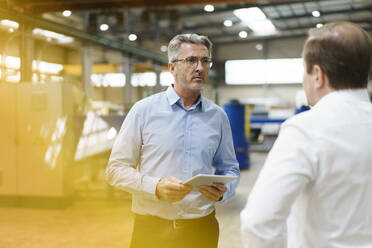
(214, 192)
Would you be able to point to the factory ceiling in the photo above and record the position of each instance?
(156, 21)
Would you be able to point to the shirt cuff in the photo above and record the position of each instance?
(148, 187)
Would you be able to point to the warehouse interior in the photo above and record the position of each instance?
(71, 71)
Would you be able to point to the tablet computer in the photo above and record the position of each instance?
(206, 179)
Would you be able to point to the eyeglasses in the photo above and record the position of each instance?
(193, 61)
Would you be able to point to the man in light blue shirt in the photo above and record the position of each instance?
(168, 138)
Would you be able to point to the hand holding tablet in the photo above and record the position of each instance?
(206, 179)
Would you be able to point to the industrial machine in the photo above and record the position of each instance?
(36, 143)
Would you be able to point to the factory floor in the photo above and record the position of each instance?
(95, 222)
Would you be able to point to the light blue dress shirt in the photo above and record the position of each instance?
(161, 138)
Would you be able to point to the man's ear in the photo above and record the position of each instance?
(171, 67)
(319, 77)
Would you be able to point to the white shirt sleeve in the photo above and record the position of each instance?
(288, 169)
(124, 157)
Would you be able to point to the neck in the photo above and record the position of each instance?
(323, 92)
(189, 97)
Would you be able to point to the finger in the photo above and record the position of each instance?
(210, 189)
(208, 195)
(209, 192)
(174, 180)
(220, 187)
(215, 192)
(178, 189)
(174, 186)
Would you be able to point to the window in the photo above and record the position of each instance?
(166, 78)
(143, 79)
(263, 71)
(108, 79)
(42, 71)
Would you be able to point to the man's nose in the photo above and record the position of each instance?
(199, 66)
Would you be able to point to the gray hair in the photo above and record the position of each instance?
(175, 44)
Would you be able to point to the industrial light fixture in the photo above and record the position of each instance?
(66, 13)
(319, 25)
(132, 37)
(104, 27)
(208, 8)
(315, 13)
(49, 35)
(243, 34)
(259, 47)
(163, 48)
(227, 23)
(9, 24)
(256, 20)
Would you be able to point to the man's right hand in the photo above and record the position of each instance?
(172, 189)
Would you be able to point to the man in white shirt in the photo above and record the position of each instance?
(319, 171)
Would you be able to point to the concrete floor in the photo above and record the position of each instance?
(99, 223)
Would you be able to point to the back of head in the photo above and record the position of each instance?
(344, 52)
(175, 44)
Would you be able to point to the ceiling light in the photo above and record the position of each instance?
(49, 35)
(10, 24)
(11, 30)
(259, 47)
(208, 8)
(66, 13)
(163, 48)
(256, 20)
(319, 25)
(227, 23)
(243, 34)
(104, 27)
(315, 13)
(132, 37)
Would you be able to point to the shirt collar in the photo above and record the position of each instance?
(173, 98)
(172, 95)
(355, 94)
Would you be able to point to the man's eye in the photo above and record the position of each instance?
(205, 60)
(191, 59)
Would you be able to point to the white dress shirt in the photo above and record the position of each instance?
(319, 173)
(161, 138)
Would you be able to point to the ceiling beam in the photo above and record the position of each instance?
(42, 6)
(234, 6)
(302, 32)
(324, 13)
(282, 18)
(82, 35)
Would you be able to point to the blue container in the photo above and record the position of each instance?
(236, 114)
(301, 109)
